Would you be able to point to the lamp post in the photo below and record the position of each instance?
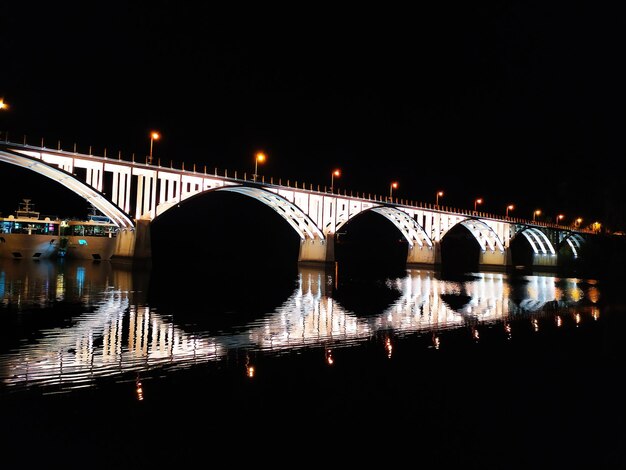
(259, 157)
(536, 213)
(559, 217)
(476, 202)
(394, 185)
(153, 136)
(4, 107)
(439, 194)
(510, 207)
(578, 222)
(336, 173)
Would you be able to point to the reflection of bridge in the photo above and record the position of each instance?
(134, 193)
(117, 333)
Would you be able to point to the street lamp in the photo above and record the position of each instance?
(4, 107)
(476, 202)
(536, 213)
(578, 221)
(559, 217)
(258, 158)
(439, 194)
(336, 173)
(510, 207)
(153, 136)
(394, 185)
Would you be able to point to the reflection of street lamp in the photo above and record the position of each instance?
(336, 173)
(394, 185)
(153, 136)
(258, 158)
(476, 202)
(510, 207)
(559, 217)
(536, 213)
(439, 194)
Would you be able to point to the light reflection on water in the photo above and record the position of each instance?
(113, 330)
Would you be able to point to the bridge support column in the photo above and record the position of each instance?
(316, 251)
(134, 244)
(492, 260)
(423, 256)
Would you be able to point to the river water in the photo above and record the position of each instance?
(132, 366)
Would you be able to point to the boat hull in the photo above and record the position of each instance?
(25, 246)
(94, 248)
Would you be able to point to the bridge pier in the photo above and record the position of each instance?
(495, 260)
(316, 251)
(424, 256)
(134, 244)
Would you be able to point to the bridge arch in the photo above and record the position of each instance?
(486, 237)
(255, 235)
(65, 178)
(406, 225)
(574, 241)
(297, 219)
(538, 241)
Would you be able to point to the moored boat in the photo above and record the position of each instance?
(28, 235)
(94, 238)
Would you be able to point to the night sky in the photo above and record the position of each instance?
(517, 103)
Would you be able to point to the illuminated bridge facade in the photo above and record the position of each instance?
(133, 194)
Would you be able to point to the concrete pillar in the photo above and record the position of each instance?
(492, 260)
(316, 251)
(424, 256)
(125, 245)
(134, 244)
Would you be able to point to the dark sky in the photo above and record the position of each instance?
(514, 102)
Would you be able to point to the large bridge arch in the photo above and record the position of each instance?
(421, 248)
(65, 178)
(472, 244)
(532, 248)
(298, 220)
(131, 238)
(245, 219)
(414, 233)
(573, 241)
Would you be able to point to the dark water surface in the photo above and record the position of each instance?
(105, 365)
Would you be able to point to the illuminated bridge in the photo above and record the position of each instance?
(133, 194)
